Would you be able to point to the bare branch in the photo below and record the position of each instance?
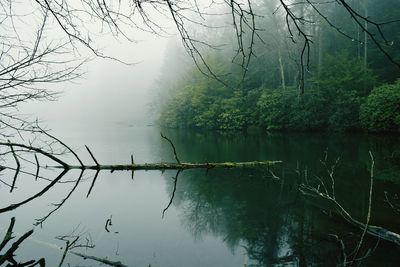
(173, 147)
(173, 192)
(369, 210)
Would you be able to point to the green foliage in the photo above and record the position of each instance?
(346, 110)
(381, 112)
(342, 72)
(196, 107)
(338, 85)
(275, 109)
(287, 110)
(231, 115)
(335, 105)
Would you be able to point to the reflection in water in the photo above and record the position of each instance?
(8, 251)
(267, 216)
(262, 215)
(257, 212)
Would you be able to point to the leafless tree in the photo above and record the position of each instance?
(29, 62)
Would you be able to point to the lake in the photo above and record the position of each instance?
(235, 217)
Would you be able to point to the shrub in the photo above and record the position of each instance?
(286, 110)
(381, 111)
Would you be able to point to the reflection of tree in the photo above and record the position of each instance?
(8, 255)
(19, 154)
(266, 215)
(260, 214)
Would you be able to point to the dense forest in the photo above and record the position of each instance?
(349, 84)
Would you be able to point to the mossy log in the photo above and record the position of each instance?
(171, 166)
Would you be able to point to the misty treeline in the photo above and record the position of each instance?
(241, 48)
(349, 81)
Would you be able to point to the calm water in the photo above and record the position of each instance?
(218, 217)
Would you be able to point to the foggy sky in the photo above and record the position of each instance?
(109, 92)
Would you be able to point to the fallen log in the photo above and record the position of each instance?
(170, 166)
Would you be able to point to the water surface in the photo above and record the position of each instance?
(218, 217)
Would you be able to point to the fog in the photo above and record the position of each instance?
(110, 91)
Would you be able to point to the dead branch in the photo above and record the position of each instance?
(173, 147)
(8, 235)
(9, 254)
(393, 206)
(341, 246)
(100, 260)
(17, 169)
(91, 154)
(173, 166)
(173, 192)
(369, 210)
(37, 167)
(43, 191)
(93, 182)
(376, 231)
(73, 241)
(38, 150)
(59, 205)
(179, 166)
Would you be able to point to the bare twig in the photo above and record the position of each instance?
(173, 192)
(369, 210)
(173, 147)
(8, 235)
(342, 248)
(59, 205)
(73, 241)
(393, 206)
(93, 182)
(37, 167)
(91, 154)
(17, 169)
(44, 190)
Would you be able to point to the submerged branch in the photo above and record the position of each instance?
(314, 192)
(100, 260)
(369, 210)
(376, 231)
